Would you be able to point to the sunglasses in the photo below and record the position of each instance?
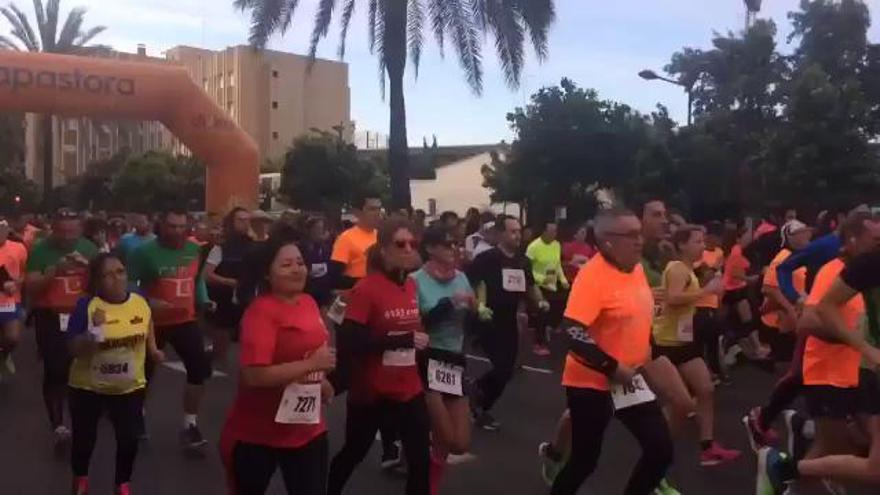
(412, 244)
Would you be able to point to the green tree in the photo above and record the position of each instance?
(157, 180)
(321, 172)
(569, 142)
(73, 38)
(397, 27)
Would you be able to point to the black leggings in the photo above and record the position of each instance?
(361, 423)
(52, 346)
(500, 341)
(591, 411)
(303, 469)
(706, 334)
(187, 341)
(124, 411)
(552, 318)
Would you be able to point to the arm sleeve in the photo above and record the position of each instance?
(585, 349)
(584, 302)
(78, 324)
(258, 337)
(215, 256)
(785, 271)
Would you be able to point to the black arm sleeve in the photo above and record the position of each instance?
(338, 280)
(585, 349)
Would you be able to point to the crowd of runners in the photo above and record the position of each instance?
(654, 313)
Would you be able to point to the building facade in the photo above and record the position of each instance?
(274, 96)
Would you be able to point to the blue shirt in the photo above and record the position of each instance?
(131, 241)
(813, 257)
(448, 334)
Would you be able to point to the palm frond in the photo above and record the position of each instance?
(287, 12)
(47, 23)
(538, 15)
(8, 44)
(378, 36)
(503, 19)
(371, 24)
(463, 31)
(21, 27)
(414, 34)
(86, 37)
(266, 17)
(344, 22)
(437, 13)
(322, 24)
(69, 32)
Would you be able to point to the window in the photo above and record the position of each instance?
(275, 135)
(274, 105)
(275, 74)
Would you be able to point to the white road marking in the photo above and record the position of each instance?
(178, 366)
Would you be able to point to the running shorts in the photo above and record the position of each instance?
(17, 313)
(678, 354)
(827, 401)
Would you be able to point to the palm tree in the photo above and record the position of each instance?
(71, 40)
(397, 27)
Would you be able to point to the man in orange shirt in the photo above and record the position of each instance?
(349, 256)
(779, 314)
(608, 320)
(707, 331)
(13, 256)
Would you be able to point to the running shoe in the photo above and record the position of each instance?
(486, 421)
(797, 443)
(123, 489)
(191, 438)
(758, 437)
(665, 489)
(80, 485)
(391, 457)
(731, 356)
(551, 463)
(7, 366)
(540, 350)
(769, 480)
(717, 455)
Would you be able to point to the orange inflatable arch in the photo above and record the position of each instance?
(84, 86)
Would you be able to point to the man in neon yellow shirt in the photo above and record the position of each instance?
(545, 253)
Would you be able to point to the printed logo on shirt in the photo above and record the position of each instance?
(136, 320)
(401, 313)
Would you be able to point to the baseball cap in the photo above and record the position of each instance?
(791, 228)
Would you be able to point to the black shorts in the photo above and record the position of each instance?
(826, 401)
(443, 356)
(869, 392)
(187, 341)
(678, 354)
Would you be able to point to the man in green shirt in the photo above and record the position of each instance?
(57, 270)
(168, 272)
(545, 253)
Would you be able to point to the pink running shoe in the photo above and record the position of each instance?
(717, 455)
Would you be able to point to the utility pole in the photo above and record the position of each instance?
(752, 9)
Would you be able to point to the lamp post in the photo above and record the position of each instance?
(650, 75)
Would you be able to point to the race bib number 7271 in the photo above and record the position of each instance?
(300, 404)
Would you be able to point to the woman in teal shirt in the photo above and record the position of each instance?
(445, 299)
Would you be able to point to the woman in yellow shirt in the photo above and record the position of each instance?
(110, 333)
(673, 331)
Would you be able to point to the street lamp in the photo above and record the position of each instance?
(650, 75)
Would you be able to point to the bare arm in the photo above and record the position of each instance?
(676, 288)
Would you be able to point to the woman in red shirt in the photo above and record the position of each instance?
(576, 252)
(277, 419)
(378, 340)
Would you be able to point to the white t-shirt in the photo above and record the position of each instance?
(215, 256)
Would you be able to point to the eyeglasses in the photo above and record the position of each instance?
(403, 244)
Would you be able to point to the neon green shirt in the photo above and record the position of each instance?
(547, 264)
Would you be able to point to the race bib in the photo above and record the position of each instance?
(63, 320)
(445, 377)
(318, 270)
(399, 357)
(685, 330)
(7, 307)
(115, 368)
(550, 277)
(513, 280)
(635, 393)
(336, 311)
(300, 404)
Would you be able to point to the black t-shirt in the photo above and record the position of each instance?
(317, 259)
(508, 280)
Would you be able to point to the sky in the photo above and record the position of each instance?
(597, 44)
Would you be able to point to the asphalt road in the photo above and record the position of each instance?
(503, 462)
